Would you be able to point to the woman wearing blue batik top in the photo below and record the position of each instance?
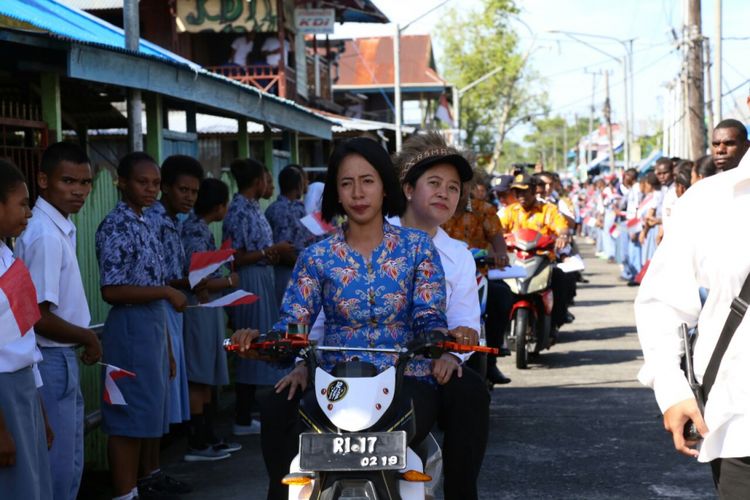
(135, 338)
(251, 236)
(379, 285)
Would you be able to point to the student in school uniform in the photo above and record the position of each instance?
(133, 280)
(205, 328)
(24, 459)
(181, 177)
(48, 248)
(252, 237)
(284, 216)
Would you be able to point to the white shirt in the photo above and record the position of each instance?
(706, 246)
(48, 248)
(22, 352)
(634, 199)
(462, 294)
(667, 205)
(314, 197)
(272, 43)
(242, 47)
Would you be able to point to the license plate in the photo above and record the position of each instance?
(353, 451)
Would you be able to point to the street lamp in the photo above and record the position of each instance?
(627, 73)
(397, 69)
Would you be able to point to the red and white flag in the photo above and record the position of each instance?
(315, 223)
(18, 307)
(112, 394)
(236, 298)
(614, 231)
(204, 263)
(589, 221)
(227, 244)
(634, 226)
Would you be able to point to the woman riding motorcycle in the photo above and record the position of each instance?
(379, 286)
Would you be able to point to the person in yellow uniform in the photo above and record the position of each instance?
(531, 213)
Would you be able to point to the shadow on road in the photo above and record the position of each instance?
(610, 332)
(591, 357)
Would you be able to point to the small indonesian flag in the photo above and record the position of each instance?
(614, 231)
(634, 226)
(18, 307)
(315, 223)
(236, 298)
(112, 394)
(204, 263)
(589, 221)
(227, 245)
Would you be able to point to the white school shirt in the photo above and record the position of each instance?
(667, 205)
(462, 294)
(20, 353)
(48, 248)
(634, 199)
(706, 246)
(314, 197)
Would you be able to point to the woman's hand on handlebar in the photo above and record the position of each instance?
(444, 367)
(464, 335)
(295, 380)
(243, 338)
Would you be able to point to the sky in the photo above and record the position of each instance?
(566, 65)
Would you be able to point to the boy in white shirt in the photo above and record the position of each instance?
(48, 248)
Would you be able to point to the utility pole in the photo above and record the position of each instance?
(134, 104)
(397, 83)
(565, 143)
(592, 110)
(710, 103)
(717, 65)
(607, 111)
(696, 115)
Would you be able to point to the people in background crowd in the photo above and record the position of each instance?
(729, 144)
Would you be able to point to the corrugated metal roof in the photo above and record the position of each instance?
(93, 4)
(368, 63)
(55, 18)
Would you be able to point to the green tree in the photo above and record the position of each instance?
(474, 43)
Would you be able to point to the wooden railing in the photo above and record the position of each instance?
(266, 78)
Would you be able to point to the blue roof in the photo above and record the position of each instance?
(74, 24)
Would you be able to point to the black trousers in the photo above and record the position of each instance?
(732, 478)
(281, 427)
(497, 315)
(463, 415)
(563, 289)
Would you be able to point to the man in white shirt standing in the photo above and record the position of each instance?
(702, 249)
(47, 247)
(241, 47)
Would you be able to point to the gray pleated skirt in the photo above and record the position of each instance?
(205, 330)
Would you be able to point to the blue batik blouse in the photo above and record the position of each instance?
(167, 230)
(196, 237)
(246, 226)
(128, 250)
(382, 302)
(284, 216)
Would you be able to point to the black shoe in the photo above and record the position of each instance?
(504, 351)
(168, 484)
(149, 492)
(495, 376)
(569, 318)
(633, 283)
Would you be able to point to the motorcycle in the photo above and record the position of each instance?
(531, 329)
(359, 425)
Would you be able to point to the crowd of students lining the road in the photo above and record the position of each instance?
(144, 247)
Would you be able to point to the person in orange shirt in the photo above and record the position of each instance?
(476, 224)
(531, 213)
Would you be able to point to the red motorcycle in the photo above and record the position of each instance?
(531, 314)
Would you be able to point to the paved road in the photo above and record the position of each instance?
(575, 425)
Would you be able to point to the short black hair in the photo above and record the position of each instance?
(370, 150)
(650, 178)
(632, 172)
(212, 193)
(177, 165)
(683, 173)
(245, 171)
(10, 178)
(290, 178)
(125, 167)
(667, 162)
(735, 124)
(705, 166)
(60, 152)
